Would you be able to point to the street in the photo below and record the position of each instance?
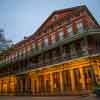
(50, 98)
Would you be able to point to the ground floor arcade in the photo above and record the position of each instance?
(67, 77)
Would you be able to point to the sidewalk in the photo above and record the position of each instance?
(91, 97)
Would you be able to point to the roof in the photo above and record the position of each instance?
(52, 14)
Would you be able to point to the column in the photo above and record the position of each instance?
(26, 86)
(72, 80)
(21, 86)
(99, 69)
(82, 78)
(0, 86)
(96, 70)
(61, 82)
(33, 89)
(45, 83)
(51, 82)
(37, 86)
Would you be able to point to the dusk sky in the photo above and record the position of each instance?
(21, 18)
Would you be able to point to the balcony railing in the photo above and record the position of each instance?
(35, 52)
(55, 60)
(65, 40)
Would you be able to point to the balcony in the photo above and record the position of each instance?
(54, 60)
(35, 52)
(60, 59)
(67, 57)
(65, 41)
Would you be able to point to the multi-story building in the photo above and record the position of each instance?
(61, 57)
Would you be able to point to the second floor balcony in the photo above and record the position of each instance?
(58, 43)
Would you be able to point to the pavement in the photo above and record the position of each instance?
(91, 97)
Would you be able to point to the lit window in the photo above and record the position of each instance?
(70, 30)
(61, 35)
(46, 41)
(80, 26)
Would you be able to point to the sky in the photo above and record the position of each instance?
(21, 18)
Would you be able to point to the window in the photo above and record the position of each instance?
(77, 14)
(80, 26)
(70, 30)
(39, 44)
(20, 52)
(12, 56)
(9, 58)
(28, 48)
(45, 41)
(61, 35)
(24, 51)
(51, 28)
(98, 44)
(69, 19)
(33, 45)
(72, 49)
(55, 17)
(53, 40)
(83, 44)
(16, 54)
(6, 59)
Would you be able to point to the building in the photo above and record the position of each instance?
(61, 57)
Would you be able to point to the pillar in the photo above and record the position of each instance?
(82, 78)
(61, 82)
(72, 80)
(51, 82)
(21, 86)
(33, 89)
(37, 86)
(45, 82)
(0, 86)
(97, 71)
(26, 86)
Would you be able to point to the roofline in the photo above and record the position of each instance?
(58, 11)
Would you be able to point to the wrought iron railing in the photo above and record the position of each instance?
(56, 60)
(35, 52)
